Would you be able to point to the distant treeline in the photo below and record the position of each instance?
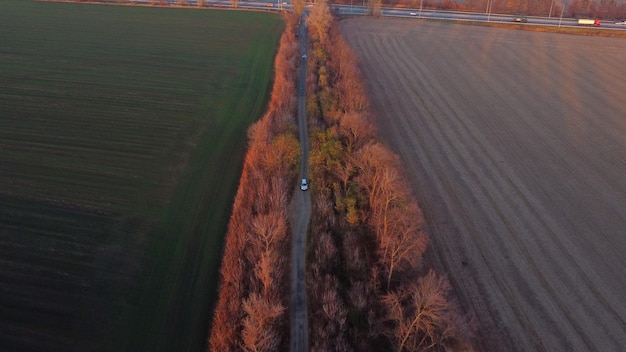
(601, 9)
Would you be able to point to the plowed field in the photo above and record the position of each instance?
(516, 146)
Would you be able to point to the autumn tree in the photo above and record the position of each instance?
(282, 155)
(405, 244)
(253, 294)
(366, 236)
(394, 214)
(328, 322)
(422, 317)
(375, 7)
(356, 130)
(260, 329)
(228, 313)
(298, 6)
(320, 19)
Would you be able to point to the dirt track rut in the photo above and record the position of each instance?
(516, 145)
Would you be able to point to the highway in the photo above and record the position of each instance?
(358, 9)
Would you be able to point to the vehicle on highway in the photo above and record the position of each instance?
(304, 184)
(622, 23)
(521, 19)
(588, 22)
(413, 13)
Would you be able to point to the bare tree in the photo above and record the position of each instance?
(356, 129)
(376, 173)
(228, 312)
(329, 320)
(326, 251)
(259, 326)
(405, 242)
(270, 228)
(421, 316)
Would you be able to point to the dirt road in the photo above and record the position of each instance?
(302, 216)
(516, 145)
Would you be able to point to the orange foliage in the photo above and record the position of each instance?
(422, 317)
(366, 227)
(260, 329)
(253, 269)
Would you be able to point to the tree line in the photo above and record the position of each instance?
(367, 287)
(601, 9)
(251, 312)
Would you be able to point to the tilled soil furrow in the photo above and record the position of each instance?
(481, 169)
(477, 246)
(533, 217)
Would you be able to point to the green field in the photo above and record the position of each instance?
(122, 134)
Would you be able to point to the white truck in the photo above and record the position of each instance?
(588, 22)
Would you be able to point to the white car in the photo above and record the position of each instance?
(622, 23)
(304, 185)
(413, 13)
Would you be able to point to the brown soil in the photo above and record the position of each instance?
(515, 143)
